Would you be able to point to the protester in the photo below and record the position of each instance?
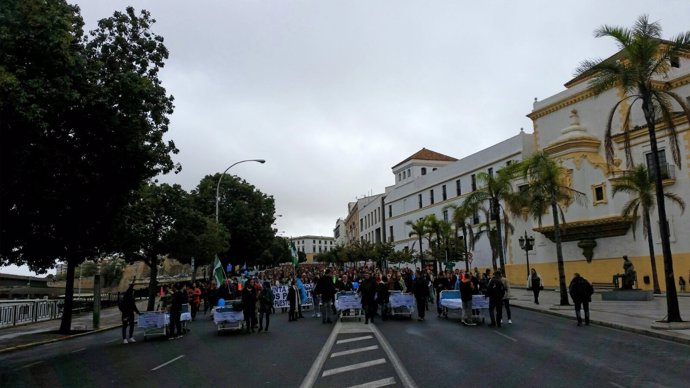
(249, 304)
(325, 289)
(367, 290)
(211, 297)
(293, 296)
(179, 298)
(128, 307)
(441, 283)
(506, 297)
(581, 291)
(495, 290)
(383, 296)
(534, 283)
(466, 293)
(266, 298)
(420, 289)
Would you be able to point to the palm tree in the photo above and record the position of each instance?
(640, 186)
(419, 229)
(461, 215)
(639, 68)
(545, 190)
(494, 189)
(489, 230)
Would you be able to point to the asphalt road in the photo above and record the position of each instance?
(537, 350)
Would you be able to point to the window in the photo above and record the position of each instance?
(409, 172)
(474, 182)
(443, 192)
(491, 171)
(445, 215)
(390, 228)
(423, 170)
(399, 176)
(433, 169)
(313, 241)
(599, 193)
(675, 61)
(390, 211)
(361, 224)
(475, 217)
(664, 167)
(419, 197)
(431, 196)
(458, 189)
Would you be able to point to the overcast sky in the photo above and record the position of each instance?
(333, 93)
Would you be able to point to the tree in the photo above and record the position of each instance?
(461, 215)
(639, 185)
(495, 189)
(419, 229)
(247, 214)
(82, 127)
(544, 192)
(639, 68)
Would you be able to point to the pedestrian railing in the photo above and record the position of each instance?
(17, 312)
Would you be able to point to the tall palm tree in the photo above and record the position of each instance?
(639, 68)
(494, 189)
(462, 214)
(419, 229)
(640, 186)
(491, 232)
(545, 191)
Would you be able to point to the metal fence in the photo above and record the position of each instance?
(17, 312)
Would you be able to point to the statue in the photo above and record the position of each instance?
(629, 276)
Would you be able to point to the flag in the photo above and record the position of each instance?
(162, 293)
(293, 254)
(218, 272)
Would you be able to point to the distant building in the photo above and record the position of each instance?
(313, 245)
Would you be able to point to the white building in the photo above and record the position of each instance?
(313, 245)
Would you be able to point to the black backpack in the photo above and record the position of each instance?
(496, 289)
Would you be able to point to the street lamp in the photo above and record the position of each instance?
(221, 178)
(527, 244)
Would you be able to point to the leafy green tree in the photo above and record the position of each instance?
(639, 69)
(419, 229)
(247, 214)
(639, 185)
(82, 127)
(545, 192)
(494, 190)
(462, 216)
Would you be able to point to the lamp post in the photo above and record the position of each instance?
(221, 178)
(97, 297)
(527, 244)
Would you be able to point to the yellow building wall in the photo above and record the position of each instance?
(602, 270)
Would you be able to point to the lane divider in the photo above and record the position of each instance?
(167, 363)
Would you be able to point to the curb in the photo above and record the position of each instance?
(665, 335)
(30, 345)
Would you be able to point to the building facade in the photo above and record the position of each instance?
(313, 245)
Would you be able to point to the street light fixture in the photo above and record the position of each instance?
(527, 244)
(262, 161)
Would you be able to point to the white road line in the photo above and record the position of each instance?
(78, 350)
(30, 365)
(376, 384)
(169, 362)
(366, 337)
(353, 351)
(616, 385)
(405, 377)
(313, 373)
(505, 336)
(352, 367)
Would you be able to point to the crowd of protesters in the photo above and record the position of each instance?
(371, 283)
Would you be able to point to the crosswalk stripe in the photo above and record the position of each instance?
(353, 351)
(352, 367)
(376, 384)
(366, 337)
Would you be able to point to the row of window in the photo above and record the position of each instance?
(408, 173)
(301, 242)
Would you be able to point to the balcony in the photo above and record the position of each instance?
(668, 175)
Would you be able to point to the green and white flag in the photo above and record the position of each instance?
(218, 271)
(293, 254)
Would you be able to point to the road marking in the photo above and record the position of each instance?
(353, 351)
(405, 377)
(366, 337)
(505, 336)
(376, 384)
(321, 358)
(169, 362)
(616, 385)
(352, 367)
(78, 350)
(30, 365)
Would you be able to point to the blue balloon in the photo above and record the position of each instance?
(221, 302)
(355, 285)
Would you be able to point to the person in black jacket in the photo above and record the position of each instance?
(420, 289)
(383, 296)
(581, 291)
(179, 298)
(249, 304)
(441, 283)
(128, 307)
(367, 290)
(326, 290)
(466, 293)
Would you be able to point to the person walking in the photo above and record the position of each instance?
(367, 290)
(266, 298)
(535, 284)
(211, 297)
(495, 290)
(466, 293)
(179, 298)
(506, 297)
(249, 304)
(383, 297)
(420, 289)
(441, 283)
(325, 290)
(292, 295)
(581, 291)
(128, 307)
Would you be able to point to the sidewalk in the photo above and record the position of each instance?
(637, 317)
(24, 336)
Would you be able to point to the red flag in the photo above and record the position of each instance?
(162, 291)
